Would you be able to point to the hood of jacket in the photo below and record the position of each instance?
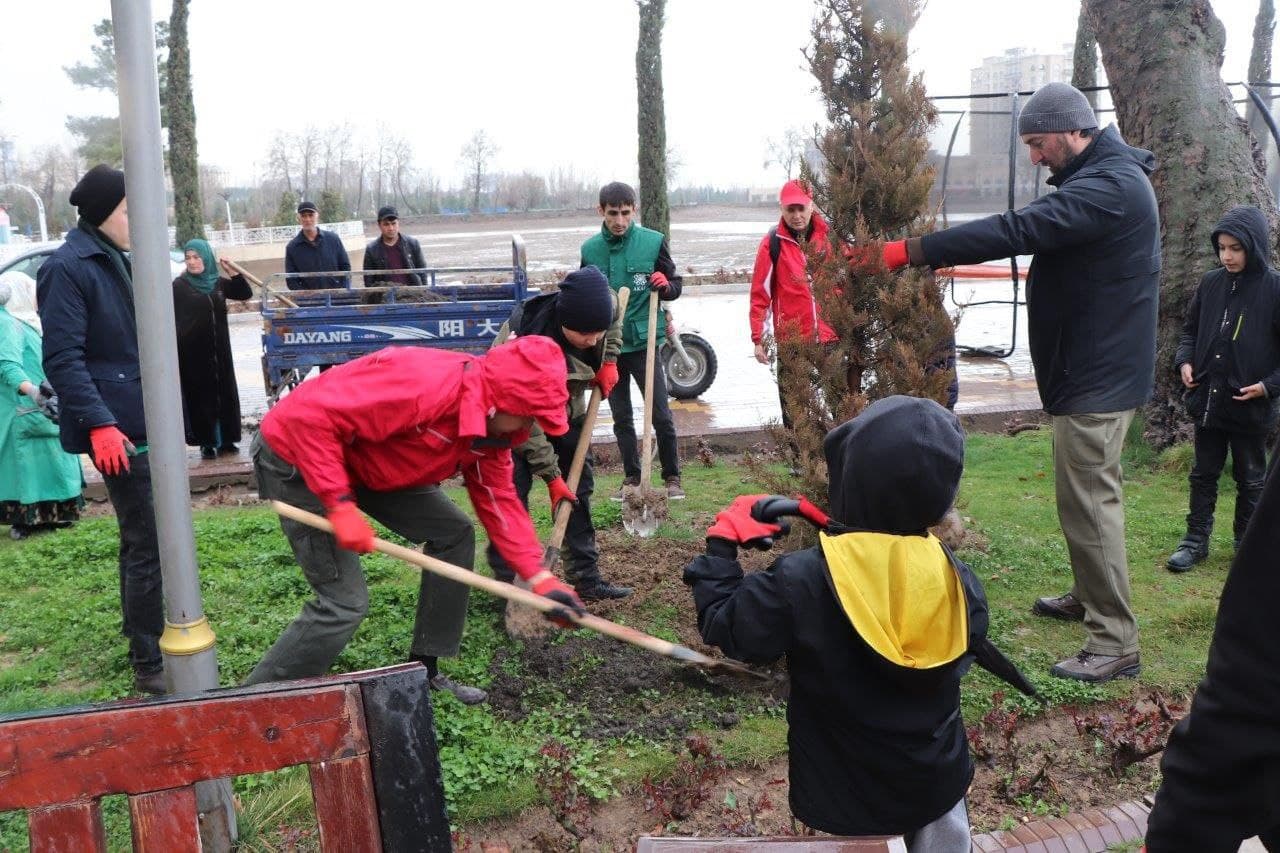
(895, 468)
(1106, 145)
(527, 377)
(1247, 224)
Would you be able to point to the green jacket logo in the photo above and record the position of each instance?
(639, 281)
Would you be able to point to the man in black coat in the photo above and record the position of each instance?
(392, 251)
(878, 623)
(85, 296)
(1092, 296)
(1229, 360)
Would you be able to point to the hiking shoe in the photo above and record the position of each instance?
(601, 591)
(151, 683)
(464, 693)
(627, 483)
(1066, 607)
(1188, 553)
(674, 492)
(1091, 667)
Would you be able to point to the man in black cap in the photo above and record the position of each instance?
(315, 250)
(392, 251)
(1092, 294)
(85, 296)
(581, 316)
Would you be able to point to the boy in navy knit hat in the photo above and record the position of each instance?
(581, 316)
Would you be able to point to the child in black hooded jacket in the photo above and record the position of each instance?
(878, 624)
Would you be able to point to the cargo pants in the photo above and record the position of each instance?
(313, 641)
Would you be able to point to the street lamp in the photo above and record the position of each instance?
(226, 199)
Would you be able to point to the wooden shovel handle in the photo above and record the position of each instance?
(257, 282)
(514, 593)
(646, 453)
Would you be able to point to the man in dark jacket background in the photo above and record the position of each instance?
(315, 250)
(392, 251)
(1092, 296)
(878, 623)
(85, 295)
(1229, 360)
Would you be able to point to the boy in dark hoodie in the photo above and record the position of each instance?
(1229, 360)
(878, 624)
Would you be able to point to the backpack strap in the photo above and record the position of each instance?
(775, 245)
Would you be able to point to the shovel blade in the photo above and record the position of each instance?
(642, 510)
(642, 523)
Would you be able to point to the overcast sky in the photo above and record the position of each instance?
(552, 82)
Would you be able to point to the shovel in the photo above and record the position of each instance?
(676, 652)
(643, 507)
(257, 282)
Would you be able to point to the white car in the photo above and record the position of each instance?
(29, 262)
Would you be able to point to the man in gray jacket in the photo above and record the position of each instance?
(1092, 295)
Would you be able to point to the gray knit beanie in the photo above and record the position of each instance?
(1056, 108)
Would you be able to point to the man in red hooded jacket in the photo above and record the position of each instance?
(382, 432)
(780, 288)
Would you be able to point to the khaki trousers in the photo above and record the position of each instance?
(1090, 496)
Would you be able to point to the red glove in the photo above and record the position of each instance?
(735, 525)
(607, 377)
(111, 449)
(559, 491)
(659, 281)
(350, 528)
(895, 254)
(550, 586)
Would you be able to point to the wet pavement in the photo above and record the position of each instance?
(744, 395)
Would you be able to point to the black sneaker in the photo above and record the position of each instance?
(151, 683)
(601, 591)
(464, 693)
(208, 453)
(1188, 553)
(627, 483)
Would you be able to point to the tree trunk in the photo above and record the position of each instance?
(652, 122)
(1264, 29)
(1084, 67)
(1164, 64)
(183, 165)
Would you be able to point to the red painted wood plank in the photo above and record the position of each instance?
(165, 821)
(345, 808)
(69, 828)
(69, 758)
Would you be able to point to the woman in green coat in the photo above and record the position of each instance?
(40, 483)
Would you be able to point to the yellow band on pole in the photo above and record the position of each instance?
(189, 638)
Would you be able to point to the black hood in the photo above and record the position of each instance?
(1248, 225)
(1106, 144)
(895, 468)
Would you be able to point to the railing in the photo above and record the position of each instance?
(276, 233)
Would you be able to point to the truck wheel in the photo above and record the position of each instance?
(684, 382)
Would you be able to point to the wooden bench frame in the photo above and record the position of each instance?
(367, 738)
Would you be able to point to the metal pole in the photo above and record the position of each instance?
(188, 641)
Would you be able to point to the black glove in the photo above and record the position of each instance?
(49, 407)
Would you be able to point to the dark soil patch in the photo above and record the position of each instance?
(619, 689)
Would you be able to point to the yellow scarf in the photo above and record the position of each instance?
(902, 595)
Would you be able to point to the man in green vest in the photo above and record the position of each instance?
(637, 258)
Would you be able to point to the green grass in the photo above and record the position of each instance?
(60, 643)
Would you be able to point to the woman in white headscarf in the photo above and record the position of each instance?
(40, 483)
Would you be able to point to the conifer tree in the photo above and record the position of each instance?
(872, 183)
